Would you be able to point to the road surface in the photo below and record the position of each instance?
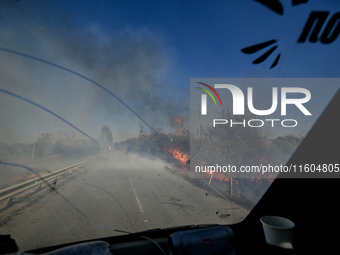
(118, 192)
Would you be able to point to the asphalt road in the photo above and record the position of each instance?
(119, 192)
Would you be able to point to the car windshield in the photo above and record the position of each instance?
(124, 116)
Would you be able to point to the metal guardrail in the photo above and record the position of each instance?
(29, 184)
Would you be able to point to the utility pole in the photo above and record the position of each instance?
(201, 130)
(231, 188)
(33, 151)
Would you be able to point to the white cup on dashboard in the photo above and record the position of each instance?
(278, 231)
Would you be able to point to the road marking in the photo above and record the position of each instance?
(139, 202)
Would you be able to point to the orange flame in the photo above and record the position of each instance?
(180, 121)
(182, 157)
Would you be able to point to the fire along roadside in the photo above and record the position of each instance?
(263, 169)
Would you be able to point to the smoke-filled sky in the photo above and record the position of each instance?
(145, 52)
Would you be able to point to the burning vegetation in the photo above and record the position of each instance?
(182, 157)
(234, 147)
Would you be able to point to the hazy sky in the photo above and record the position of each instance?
(145, 52)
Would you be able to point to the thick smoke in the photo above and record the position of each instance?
(131, 63)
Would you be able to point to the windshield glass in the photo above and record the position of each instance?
(103, 128)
